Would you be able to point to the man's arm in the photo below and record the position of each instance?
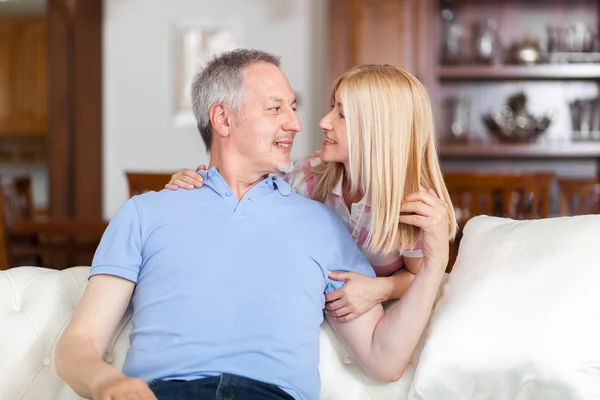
(115, 270)
(79, 351)
(383, 344)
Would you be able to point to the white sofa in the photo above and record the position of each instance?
(36, 304)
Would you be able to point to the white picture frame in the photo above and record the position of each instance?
(196, 43)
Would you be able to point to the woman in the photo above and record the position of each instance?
(379, 147)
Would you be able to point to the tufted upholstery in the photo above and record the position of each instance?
(37, 303)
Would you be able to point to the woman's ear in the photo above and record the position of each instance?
(219, 120)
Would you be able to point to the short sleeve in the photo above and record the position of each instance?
(417, 252)
(347, 257)
(120, 250)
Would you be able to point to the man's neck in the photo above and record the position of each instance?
(238, 176)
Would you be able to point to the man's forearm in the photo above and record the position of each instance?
(80, 366)
(398, 333)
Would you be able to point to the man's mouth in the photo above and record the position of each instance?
(284, 144)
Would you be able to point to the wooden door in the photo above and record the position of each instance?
(22, 76)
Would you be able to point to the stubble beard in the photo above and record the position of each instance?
(285, 168)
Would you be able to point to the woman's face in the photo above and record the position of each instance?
(335, 145)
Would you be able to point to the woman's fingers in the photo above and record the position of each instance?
(426, 197)
(335, 305)
(416, 220)
(347, 317)
(336, 294)
(186, 179)
(191, 181)
(340, 312)
(417, 207)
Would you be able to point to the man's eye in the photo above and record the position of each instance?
(332, 106)
(295, 109)
(276, 109)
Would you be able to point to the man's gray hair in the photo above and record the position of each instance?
(220, 82)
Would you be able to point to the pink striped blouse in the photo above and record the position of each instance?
(358, 217)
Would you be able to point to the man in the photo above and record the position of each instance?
(230, 279)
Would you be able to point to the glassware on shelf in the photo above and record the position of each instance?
(453, 35)
(486, 43)
(573, 43)
(458, 111)
(585, 119)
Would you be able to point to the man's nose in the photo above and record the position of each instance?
(292, 123)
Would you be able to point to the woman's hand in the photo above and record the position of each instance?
(430, 214)
(356, 297)
(186, 179)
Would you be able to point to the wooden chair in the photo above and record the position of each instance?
(142, 182)
(27, 240)
(512, 195)
(16, 203)
(579, 196)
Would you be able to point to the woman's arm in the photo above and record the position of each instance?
(398, 283)
(361, 293)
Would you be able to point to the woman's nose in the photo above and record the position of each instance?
(325, 124)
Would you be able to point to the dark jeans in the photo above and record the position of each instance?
(223, 387)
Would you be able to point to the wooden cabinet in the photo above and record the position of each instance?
(22, 77)
(380, 32)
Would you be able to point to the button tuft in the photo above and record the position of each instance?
(46, 361)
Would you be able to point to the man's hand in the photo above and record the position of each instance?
(431, 215)
(185, 178)
(356, 297)
(124, 388)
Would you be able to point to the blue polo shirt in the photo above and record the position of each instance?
(228, 286)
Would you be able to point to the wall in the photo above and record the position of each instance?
(139, 130)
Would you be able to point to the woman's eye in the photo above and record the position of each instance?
(341, 115)
(276, 109)
(295, 109)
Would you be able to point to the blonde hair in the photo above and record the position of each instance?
(392, 151)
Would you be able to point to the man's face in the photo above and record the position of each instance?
(267, 122)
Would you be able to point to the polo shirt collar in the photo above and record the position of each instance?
(213, 179)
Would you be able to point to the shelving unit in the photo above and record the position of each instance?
(590, 150)
(520, 72)
(548, 86)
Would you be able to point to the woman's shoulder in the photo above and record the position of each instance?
(300, 178)
(306, 163)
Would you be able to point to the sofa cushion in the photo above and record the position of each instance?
(519, 317)
(37, 303)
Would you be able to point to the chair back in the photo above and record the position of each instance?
(579, 196)
(142, 182)
(16, 203)
(508, 194)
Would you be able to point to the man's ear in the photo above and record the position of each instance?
(219, 119)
